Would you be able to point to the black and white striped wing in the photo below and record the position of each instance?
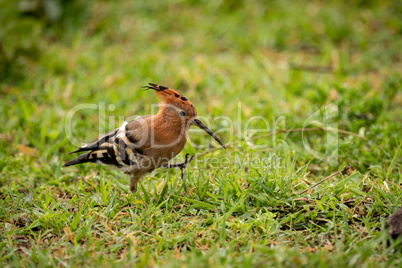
(116, 148)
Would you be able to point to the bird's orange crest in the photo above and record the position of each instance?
(170, 96)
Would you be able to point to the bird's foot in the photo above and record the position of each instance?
(183, 165)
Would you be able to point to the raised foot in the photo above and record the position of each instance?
(183, 165)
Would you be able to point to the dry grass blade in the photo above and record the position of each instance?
(345, 170)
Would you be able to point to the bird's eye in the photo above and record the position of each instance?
(182, 113)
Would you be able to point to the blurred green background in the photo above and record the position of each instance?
(280, 59)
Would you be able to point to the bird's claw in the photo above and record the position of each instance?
(186, 162)
(183, 165)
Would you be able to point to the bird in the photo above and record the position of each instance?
(148, 142)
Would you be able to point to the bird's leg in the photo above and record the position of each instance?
(182, 166)
(133, 183)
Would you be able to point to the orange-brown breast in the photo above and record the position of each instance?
(165, 139)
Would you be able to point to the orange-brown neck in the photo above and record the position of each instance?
(168, 130)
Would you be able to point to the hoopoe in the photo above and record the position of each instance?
(148, 142)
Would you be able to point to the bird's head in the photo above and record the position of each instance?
(177, 108)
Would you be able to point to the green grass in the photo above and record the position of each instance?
(282, 60)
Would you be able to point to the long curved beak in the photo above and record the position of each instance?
(198, 123)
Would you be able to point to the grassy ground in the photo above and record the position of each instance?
(249, 205)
